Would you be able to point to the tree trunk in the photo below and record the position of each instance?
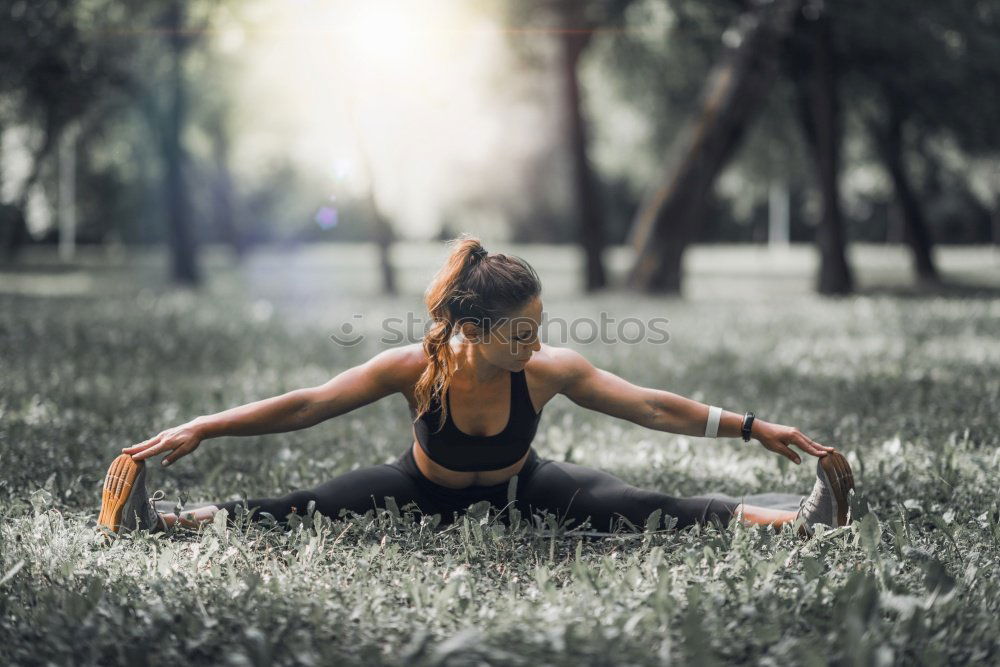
(587, 199)
(382, 232)
(995, 218)
(183, 247)
(15, 227)
(668, 218)
(222, 194)
(816, 84)
(384, 238)
(915, 231)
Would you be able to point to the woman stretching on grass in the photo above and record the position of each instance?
(474, 406)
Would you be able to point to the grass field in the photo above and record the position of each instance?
(99, 355)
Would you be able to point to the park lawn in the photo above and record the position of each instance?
(102, 356)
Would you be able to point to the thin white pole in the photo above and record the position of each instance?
(778, 223)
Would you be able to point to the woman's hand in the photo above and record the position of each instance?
(777, 438)
(179, 440)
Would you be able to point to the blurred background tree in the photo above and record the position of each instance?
(150, 123)
(727, 104)
(921, 88)
(55, 71)
(573, 24)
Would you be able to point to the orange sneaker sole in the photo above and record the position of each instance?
(117, 485)
(838, 471)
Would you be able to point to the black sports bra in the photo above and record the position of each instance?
(457, 450)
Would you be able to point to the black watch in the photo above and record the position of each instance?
(747, 425)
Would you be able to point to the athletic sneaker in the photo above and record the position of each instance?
(828, 502)
(125, 505)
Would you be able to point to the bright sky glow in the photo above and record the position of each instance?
(415, 91)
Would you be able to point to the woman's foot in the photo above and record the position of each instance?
(829, 501)
(125, 505)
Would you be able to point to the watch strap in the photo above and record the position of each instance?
(747, 426)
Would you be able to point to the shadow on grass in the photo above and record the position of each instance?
(950, 288)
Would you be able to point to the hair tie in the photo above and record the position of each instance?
(480, 253)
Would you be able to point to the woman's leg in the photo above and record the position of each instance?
(765, 516)
(577, 492)
(358, 491)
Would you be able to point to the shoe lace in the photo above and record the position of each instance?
(154, 514)
(810, 503)
(151, 502)
(805, 506)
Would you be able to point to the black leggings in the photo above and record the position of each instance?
(567, 490)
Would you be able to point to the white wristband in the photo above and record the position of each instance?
(712, 427)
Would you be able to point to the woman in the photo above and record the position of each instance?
(495, 376)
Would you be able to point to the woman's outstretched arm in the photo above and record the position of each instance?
(294, 410)
(599, 390)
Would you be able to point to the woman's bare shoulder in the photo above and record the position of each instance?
(401, 365)
(555, 364)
